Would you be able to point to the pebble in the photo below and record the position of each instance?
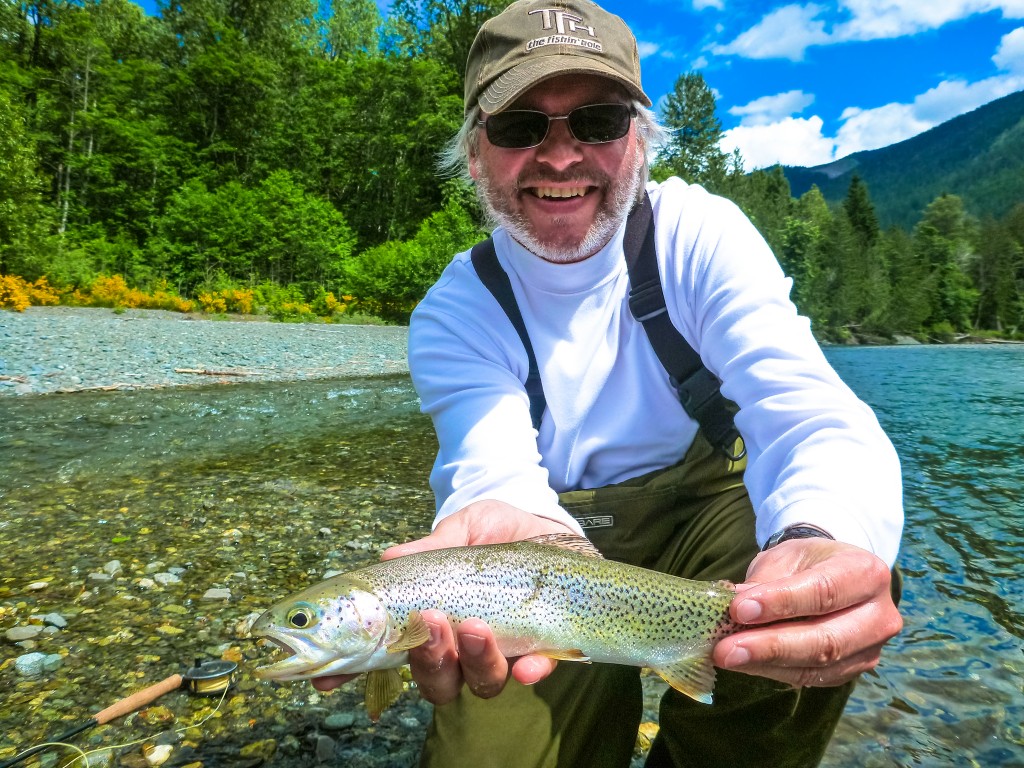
(55, 620)
(113, 568)
(30, 664)
(324, 748)
(339, 721)
(165, 578)
(217, 594)
(20, 634)
(100, 577)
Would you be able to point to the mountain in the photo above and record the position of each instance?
(978, 156)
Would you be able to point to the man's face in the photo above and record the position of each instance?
(563, 199)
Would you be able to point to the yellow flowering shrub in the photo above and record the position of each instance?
(13, 294)
(212, 303)
(42, 294)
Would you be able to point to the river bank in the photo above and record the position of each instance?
(72, 349)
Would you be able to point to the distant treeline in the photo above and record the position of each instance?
(229, 145)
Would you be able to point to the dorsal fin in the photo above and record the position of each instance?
(569, 541)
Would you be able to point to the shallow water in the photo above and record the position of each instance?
(262, 487)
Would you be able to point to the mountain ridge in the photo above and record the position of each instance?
(978, 156)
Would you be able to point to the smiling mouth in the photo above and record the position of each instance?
(559, 193)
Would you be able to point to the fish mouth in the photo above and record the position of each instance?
(303, 660)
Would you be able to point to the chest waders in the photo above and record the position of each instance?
(693, 519)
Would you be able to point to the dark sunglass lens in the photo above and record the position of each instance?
(517, 128)
(599, 123)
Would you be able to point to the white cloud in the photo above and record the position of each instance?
(770, 109)
(700, 5)
(790, 141)
(872, 20)
(784, 33)
(701, 62)
(787, 32)
(800, 141)
(1010, 56)
(873, 128)
(646, 49)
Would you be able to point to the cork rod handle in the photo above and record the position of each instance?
(139, 699)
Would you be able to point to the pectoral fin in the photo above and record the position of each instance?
(416, 633)
(574, 654)
(694, 676)
(383, 687)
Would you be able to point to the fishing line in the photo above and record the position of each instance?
(184, 728)
(206, 678)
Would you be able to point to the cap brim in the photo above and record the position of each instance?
(512, 84)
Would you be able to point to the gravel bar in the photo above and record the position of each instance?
(73, 349)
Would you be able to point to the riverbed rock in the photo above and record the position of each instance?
(55, 620)
(339, 721)
(21, 634)
(112, 568)
(324, 748)
(164, 578)
(218, 593)
(30, 664)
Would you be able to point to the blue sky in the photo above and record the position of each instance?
(808, 83)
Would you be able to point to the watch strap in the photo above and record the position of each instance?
(796, 531)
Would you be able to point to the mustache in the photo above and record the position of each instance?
(543, 177)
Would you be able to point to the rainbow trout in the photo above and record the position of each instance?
(553, 595)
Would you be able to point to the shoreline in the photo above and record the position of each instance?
(62, 350)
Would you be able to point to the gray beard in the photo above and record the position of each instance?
(605, 224)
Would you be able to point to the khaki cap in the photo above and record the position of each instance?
(533, 40)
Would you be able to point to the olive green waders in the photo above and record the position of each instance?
(694, 520)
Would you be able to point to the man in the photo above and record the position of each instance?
(615, 447)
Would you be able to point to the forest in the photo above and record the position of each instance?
(284, 152)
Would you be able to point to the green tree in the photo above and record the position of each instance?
(442, 30)
(352, 28)
(24, 218)
(998, 263)
(692, 152)
(801, 253)
(860, 212)
(391, 278)
(942, 241)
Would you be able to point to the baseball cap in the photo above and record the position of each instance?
(533, 40)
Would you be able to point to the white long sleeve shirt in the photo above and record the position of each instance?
(816, 453)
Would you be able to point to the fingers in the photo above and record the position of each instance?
(819, 651)
(451, 659)
(484, 668)
(532, 669)
(331, 682)
(820, 577)
(817, 612)
(435, 664)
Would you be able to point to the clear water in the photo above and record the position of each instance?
(262, 487)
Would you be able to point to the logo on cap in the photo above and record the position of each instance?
(564, 24)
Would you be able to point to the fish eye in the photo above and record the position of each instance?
(302, 617)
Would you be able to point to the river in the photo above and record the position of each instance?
(261, 488)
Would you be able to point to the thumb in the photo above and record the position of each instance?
(442, 537)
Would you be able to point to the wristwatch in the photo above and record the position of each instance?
(796, 531)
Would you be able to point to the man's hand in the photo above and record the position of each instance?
(836, 611)
(468, 655)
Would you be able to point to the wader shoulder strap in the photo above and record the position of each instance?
(485, 262)
(698, 389)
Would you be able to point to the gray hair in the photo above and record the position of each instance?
(453, 160)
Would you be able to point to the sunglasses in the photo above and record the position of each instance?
(526, 128)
